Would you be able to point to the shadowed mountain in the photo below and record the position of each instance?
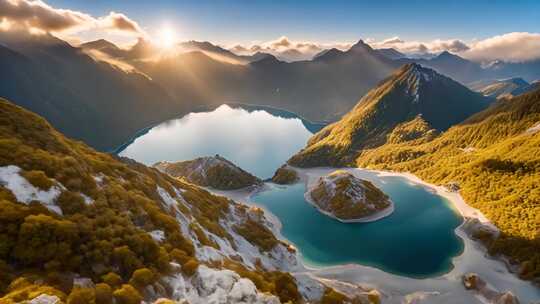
(87, 100)
(391, 53)
(412, 102)
(321, 89)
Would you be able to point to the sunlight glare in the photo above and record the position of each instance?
(166, 37)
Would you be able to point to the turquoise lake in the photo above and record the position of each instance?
(417, 240)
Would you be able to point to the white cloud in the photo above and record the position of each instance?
(287, 49)
(513, 47)
(36, 15)
(420, 47)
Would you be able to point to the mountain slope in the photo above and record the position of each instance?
(502, 88)
(87, 100)
(408, 93)
(73, 217)
(211, 171)
(494, 158)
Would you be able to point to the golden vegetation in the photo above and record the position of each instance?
(441, 101)
(216, 172)
(106, 241)
(285, 176)
(257, 234)
(339, 202)
(496, 163)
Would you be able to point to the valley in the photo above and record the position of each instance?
(269, 152)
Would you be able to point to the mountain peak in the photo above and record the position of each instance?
(518, 81)
(411, 91)
(361, 45)
(327, 54)
(99, 44)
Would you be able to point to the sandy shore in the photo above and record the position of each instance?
(444, 289)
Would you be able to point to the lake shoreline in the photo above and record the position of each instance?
(446, 287)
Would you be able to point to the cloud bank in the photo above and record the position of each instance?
(510, 47)
(289, 50)
(513, 47)
(37, 16)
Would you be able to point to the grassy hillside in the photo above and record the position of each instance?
(411, 92)
(83, 98)
(69, 211)
(210, 171)
(494, 156)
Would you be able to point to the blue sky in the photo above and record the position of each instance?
(235, 21)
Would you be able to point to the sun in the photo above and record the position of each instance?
(166, 37)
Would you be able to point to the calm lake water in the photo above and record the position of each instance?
(255, 140)
(417, 240)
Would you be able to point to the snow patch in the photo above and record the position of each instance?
(25, 192)
(157, 235)
(166, 197)
(533, 129)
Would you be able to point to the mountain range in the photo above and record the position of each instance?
(86, 99)
(412, 94)
(98, 92)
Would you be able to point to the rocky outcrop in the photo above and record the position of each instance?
(347, 198)
(212, 171)
(473, 282)
(285, 175)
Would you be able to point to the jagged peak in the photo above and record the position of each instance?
(419, 72)
(328, 54)
(361, 45)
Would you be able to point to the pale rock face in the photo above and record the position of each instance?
(25, 192)
(534, 129)
(157, 235)
(83, 282)
(214, 286)
(421, 297)
(45, 299)
(486, 292)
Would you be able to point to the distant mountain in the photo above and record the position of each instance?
(104, 46)
(87, 100)
(413, 93)
(53, 75)
(467, 72)
(320, 89)
(325, 55)
(391, 53)
(528, 70)
(453, 66)
(501, 88)
(212, 49)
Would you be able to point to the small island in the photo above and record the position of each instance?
(349, 199)
(211, 171)
(285, 175)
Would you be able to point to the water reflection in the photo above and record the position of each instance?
(257, 141)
